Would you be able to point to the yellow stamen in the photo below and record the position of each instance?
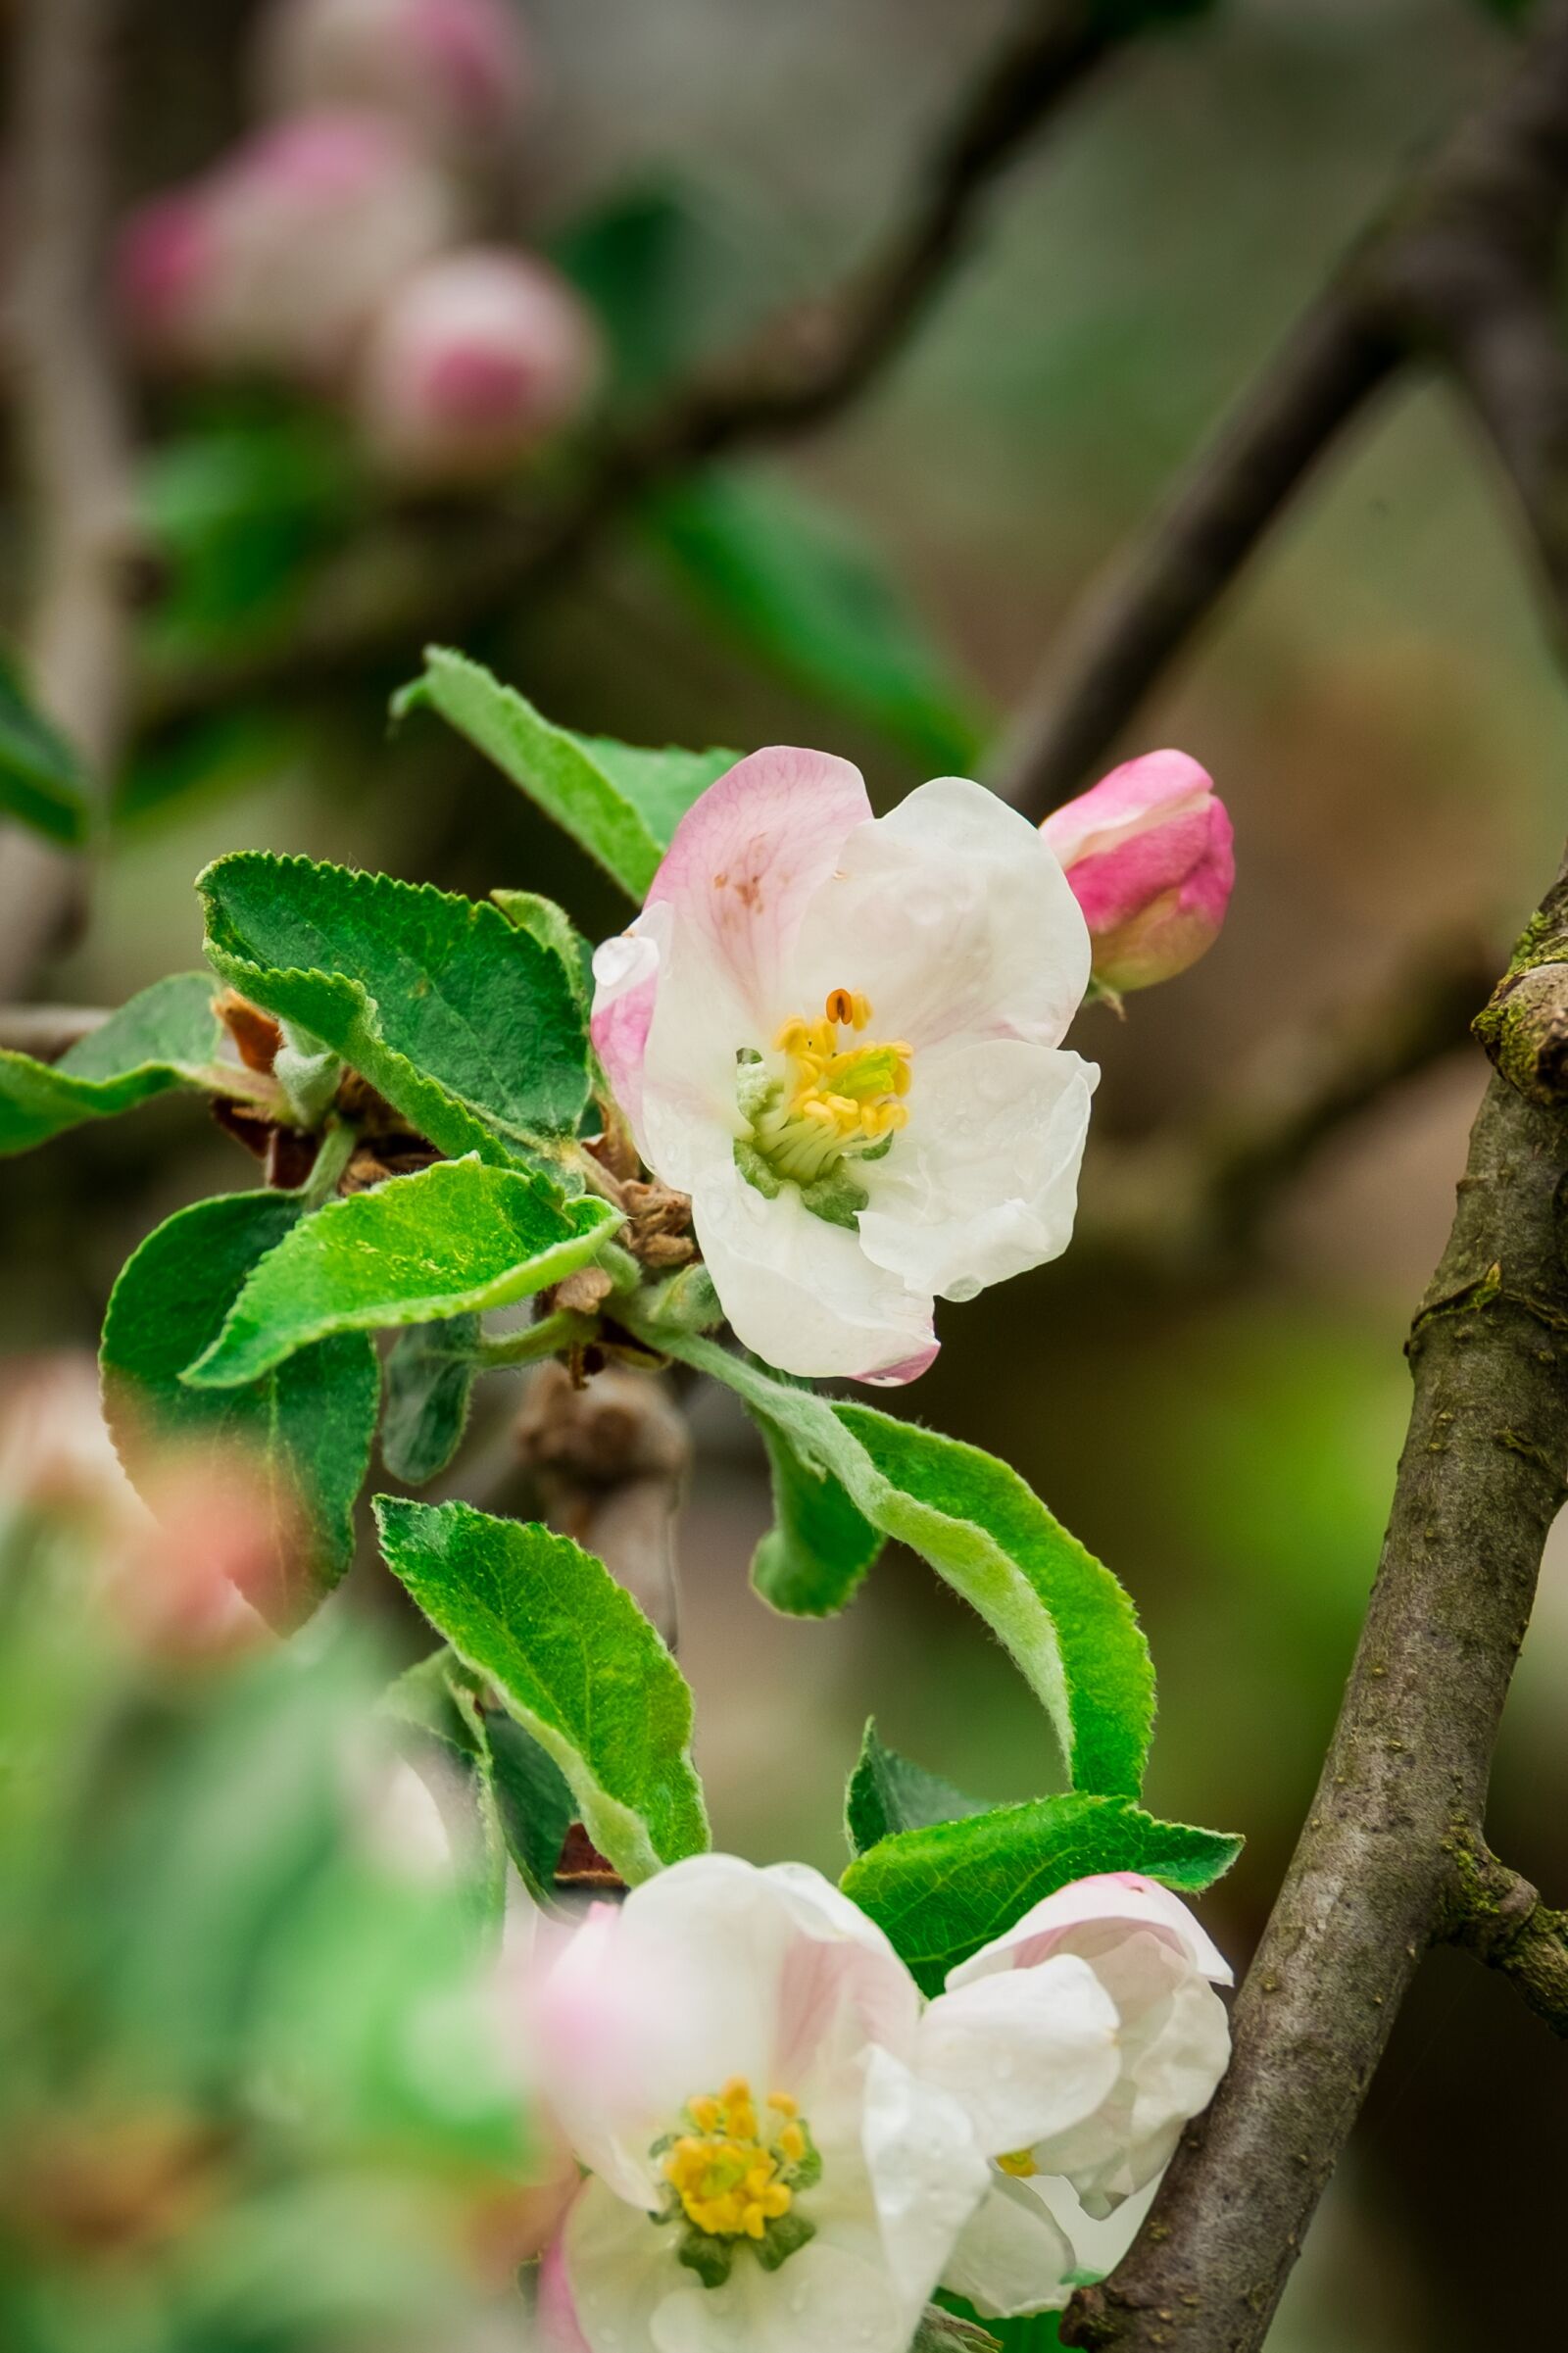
(1020, 2163)
(836, 1099)
(727, 2177)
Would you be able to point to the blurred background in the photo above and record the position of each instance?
(1378, 706)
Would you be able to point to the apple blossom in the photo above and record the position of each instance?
(453, 70)
(840, 1035)
(277, 258)
(1148, 853)
(472, 362)
(1159, 1969)
(784, 2146)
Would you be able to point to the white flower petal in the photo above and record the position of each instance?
(797, 1291)
(983, 1183)
(926, 2174)
(1027, 2054)
(661, 2001)
(618, 2266)
(822, 2297)
(1124, 1897)
(1011, 2256)
(1174, 2043)
(954, 917)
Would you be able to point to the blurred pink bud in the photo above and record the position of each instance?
(279, 258)
(1148, 854)
(453, 70)
(476, 360)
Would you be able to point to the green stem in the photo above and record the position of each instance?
(338, 1140)
(565, 1329)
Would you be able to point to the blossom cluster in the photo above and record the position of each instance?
(332, 247)
(767, 2139)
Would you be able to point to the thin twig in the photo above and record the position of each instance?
(610, 1459)
(1430, 277)
(802, 368)
(70, 434)
(1504, 1923)
(1384, 1866)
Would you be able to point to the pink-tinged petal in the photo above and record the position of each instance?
(554, 2313)
(1115, 1896)
(898, 1376)
(625, 991)
(800, 1292)
(746, 861)
(1115, 885)
(1137, 794)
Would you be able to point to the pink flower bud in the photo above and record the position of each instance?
(474, 360)
(1148, 854)
(276, 260)
(453, 70)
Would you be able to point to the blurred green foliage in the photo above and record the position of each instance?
(250, 2100)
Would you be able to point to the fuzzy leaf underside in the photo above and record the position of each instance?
(942, 1891)
(889, 1792)
(466, 1024)
(168, 1036)
(1067, 1623)
(572, 1657)
(819, 1547)
(619, 802)
(451, 1240)
(516, 1781)
(304, 1428)
(428, 1378)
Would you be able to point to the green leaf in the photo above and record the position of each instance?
(621, 802)
(515, 1780)
(1034, 2332)
(572, 1657)
(819, 1547)
(307, 1427)
(554, 929)
(793, 581)
(43, 784)
(1070, 1626)
(889, 1792)
(465, 1024)
(429, 1377)
(942, 1891)
(167, 1037)
(662, 275)
(451, 1240)
(241, 513)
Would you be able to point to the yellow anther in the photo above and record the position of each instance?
(727, 2175)
(1020, 2163)
(847, 1008)
(782, 2101)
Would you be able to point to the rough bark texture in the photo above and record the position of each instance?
(1392, 1856)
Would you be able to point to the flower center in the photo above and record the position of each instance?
(1020, 2163)
(836, 1101)
(734, 2174)
(731, 2180)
